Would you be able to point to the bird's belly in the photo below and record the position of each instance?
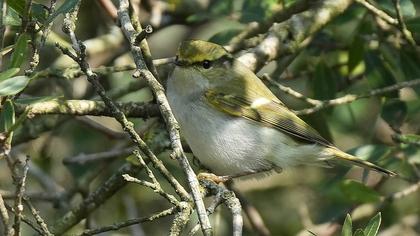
(233, 145)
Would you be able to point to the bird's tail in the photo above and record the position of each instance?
(342, 156)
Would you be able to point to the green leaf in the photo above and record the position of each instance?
(407, 7)
(356, 52)
(347, 227)
(225, 36)
(66, 7)
(391, 60)
(13, 85)
(413, 24)
(377, 74)
(359, 232)
(39, 12)
(8, 73)
(373, 225)
(256, 10)
(357, 192)
(394, 112)
(407, 138)
(324, 82)
(17, 5)
(7, 116)
(371, 152)
(20, 50)
(409, 65)
(12, 17)
(7, 119)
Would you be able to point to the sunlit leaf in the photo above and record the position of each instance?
(12, 17)
(8, 73)
(20, 51)
(359, 232)
(17, 5)
(347, 227)
(357, 192)
(373, 226)
(13, 85)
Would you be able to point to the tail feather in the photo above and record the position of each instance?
(340, 155)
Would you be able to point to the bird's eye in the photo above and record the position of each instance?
(206, 64)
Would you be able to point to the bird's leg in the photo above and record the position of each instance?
(224, 178)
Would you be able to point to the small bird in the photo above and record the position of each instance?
(234, 124)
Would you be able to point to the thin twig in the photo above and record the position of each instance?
(290, 37)
(94, 200)
(210, 210)
(154, 185)
(402, 26)
(353, 97)
(291, 92)
(26, 221)
(120, 116)
(95, 125)
(83, 159)
(231, 202)
(20, 190)
(143, 72)
(38, 218)
(254, 28)
(4, 215)
(322, 104)
(130, 222)
(181, 219)
(378, 12)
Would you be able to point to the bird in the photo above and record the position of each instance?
(234, 124)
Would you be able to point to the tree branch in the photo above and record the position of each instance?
(178, 153)
(294, 34)
(86, 107)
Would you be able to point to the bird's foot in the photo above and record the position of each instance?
(215, 178)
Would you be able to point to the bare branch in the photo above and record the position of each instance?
(143, 72)
(86, 107)
(402, 26)
(38, 218)
(94, 200)
(291, 36)
(20, 189)
(130, 222)
(319, 105)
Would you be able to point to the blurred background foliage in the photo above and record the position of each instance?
(355, 53)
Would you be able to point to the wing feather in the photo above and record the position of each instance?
(270, 113)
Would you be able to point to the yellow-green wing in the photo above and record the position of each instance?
(271, 114)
